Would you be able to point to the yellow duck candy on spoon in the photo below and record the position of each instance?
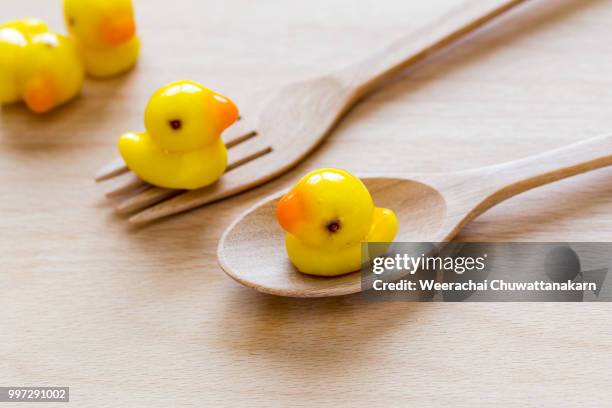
(182, 147)
(37, 66)
(105, 33)
(326, 216)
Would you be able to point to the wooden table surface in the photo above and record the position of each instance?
(146, 317)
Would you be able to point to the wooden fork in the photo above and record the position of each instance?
(296, 119)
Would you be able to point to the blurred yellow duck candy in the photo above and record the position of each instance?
(327, 215)
(37, 66)
(181, 147)
(105, 33)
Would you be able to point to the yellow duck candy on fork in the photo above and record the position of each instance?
(182, 147)
(105, 33)
(37, 66)
(326, 216)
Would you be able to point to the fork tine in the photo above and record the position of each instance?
(123, 184)
(246, 151)
(126, 182)
(234, 135)
(238, 132)
(237, 156)
(145, 199)
(110, 170)
(242, 178)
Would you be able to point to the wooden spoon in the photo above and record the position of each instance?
(429, 207)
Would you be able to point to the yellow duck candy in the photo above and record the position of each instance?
(37, 66)
(181, 147)
(326, 216)
(105, 33)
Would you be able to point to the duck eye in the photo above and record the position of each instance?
(333, 226)
(71, 21)
(175, 124)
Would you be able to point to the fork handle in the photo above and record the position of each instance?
(408, 51)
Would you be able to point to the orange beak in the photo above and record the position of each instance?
(40, 95)
(228, 112)
(290, 211)
(118, 28)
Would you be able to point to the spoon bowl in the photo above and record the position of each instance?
(257, 235)
(429, 207)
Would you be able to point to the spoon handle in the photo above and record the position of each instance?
(415, 47)
(506, 180)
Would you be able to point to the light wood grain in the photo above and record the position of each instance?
(148, 315)
(296, 119)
